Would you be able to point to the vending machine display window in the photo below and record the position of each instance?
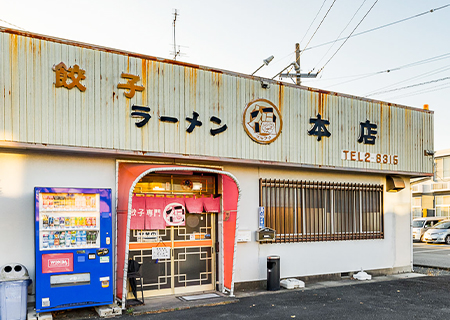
(68, 220)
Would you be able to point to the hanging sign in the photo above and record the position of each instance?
(261, 211)
(160, 253)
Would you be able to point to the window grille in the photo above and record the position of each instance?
(303, 211)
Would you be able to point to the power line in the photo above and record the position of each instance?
(411, 86)
(313, 20)
(422, 75)
(427, 90)
(413, 64)
(380, 27)
(12, 24)
(340, 34)
(348, 36)
(320, 24)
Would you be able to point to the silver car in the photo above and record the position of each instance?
(420, 225)
(439, 233)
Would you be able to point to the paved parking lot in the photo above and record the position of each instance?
(431, 255)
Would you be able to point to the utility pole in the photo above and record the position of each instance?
(296, 65)
(297, 59)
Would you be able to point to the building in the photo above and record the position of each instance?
(198, 159)
(431, 195)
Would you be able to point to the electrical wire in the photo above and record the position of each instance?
(12, 24)
(380, 27)
(339, 35)
(427, 90)
(313, 21)
(319, 26)
(410, 86)
(410, 65)
(420, 76)
(348, 37)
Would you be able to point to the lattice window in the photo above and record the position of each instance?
(322, 211)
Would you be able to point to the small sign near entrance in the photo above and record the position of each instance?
(261, 211)
(160, 253)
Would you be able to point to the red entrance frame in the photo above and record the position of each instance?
(129, 175)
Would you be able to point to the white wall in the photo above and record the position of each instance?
(315, 258)
(19, 174)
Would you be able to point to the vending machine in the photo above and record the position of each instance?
(73, 240)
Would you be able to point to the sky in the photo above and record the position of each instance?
(236, 35)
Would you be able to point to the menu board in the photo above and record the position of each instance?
(69, 220)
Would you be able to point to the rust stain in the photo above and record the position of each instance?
(144, 66)
(281, 98)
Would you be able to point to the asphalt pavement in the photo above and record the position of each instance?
(424, 297)
(431, 255)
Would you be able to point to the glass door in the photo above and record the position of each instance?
(191, 265)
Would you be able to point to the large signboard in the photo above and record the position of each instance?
(83, 96)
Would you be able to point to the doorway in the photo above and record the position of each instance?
(189, 260)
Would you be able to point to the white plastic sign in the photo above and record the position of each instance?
(160, 253)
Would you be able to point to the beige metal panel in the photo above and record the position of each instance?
(15, 87)
(37, 112)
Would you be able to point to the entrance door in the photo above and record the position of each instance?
(191, 266)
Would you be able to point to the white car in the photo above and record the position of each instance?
(439, 233)
(420, 225)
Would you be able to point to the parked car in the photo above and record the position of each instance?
(439, 233)
(420, 225)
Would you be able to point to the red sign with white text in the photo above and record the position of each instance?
(57, 262)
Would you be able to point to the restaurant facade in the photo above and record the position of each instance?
(200, 160)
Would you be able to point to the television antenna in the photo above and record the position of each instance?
(175, 52)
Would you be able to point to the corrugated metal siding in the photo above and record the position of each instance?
(33, 110)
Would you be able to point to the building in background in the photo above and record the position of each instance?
(431, 195)
(199, 160)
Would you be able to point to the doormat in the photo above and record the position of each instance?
(199, 297)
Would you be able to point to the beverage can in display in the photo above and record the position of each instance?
(62, 222)
(68, 239)
(56, 241)
(44, 221)
(94, 237)
(50, 222)
(45, 240)
(88, 222)
(51, 239)
(83, 238)
(93, 222)
(72, 222)
(83, 222)
(62, 238)
(67, 222)
(78, 238)
(56, 222)
(73, 238)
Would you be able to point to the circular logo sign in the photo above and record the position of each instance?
(262, 121)
(174, 214)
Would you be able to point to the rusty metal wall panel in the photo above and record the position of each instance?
(34, 110)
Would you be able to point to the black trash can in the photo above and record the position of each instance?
(273, 273)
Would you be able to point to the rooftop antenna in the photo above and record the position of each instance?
(175, 52)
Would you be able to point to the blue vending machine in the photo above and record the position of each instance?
(73, 240)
